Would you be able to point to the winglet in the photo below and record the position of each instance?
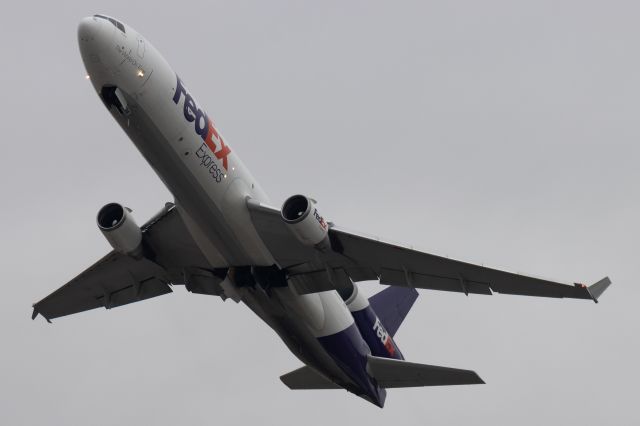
(596, 290)
(36, 312)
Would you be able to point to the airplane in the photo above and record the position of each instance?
(293, 268)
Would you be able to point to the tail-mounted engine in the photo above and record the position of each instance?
(119, 228)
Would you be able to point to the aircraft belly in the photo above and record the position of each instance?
(338, 352)
(294, 331)
(324, 313)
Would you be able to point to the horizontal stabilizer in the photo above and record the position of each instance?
(307, 378)
(394, 373)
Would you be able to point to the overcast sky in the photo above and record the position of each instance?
(500, 132)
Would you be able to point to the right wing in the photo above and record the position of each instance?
(118, 279)
(361, 258)
(398, 265)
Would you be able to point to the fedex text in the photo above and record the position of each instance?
(384, 337)
(203, 126)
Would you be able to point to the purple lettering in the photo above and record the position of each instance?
(202, 124)
(190, 109)
(180, 90)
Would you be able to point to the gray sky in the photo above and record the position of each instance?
(499, 132)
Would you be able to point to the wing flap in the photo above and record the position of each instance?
(412, 279)
(394, 373)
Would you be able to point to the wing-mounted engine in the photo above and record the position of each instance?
(119, 228)
(305, 222)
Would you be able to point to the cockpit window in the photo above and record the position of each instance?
(117, 24)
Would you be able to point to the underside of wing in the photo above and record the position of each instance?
(117, 279)
(397, 265)
(114, 280)
(362, 258)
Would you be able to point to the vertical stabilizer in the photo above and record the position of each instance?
(392, 305)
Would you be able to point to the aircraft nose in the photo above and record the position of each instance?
(87, 29)
(94, 33)
(94, 40)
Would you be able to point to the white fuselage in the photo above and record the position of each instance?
(209, 182)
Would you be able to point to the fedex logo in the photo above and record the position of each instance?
(384, 337)
(203, 125)
(320, 219)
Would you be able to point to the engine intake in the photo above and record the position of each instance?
(119, 228)
(306, 223)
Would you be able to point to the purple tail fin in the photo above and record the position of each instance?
(392, 305)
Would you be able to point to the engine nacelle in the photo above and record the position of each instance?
(119, 228)
(306, 223)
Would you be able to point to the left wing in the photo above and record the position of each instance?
(364, 258)
(118, 279)
(114, 280)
